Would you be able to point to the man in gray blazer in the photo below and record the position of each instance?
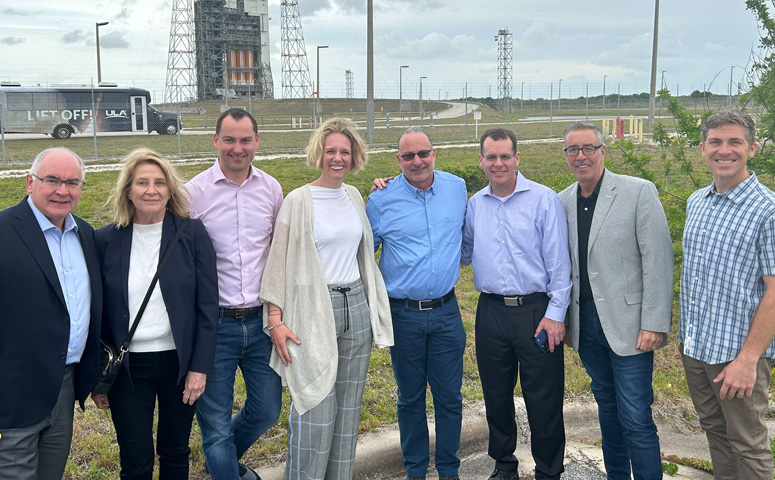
(622, 297)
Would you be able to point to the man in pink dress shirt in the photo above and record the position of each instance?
(238, 204)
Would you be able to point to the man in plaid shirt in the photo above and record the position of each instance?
(728, 300)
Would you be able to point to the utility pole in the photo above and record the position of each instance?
(652, 96)
(370, 71)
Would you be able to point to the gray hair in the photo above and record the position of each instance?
(584, 126)
(730, 117)
(415, 130)
(42, 155)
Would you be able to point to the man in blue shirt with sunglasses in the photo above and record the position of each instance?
(418, 220)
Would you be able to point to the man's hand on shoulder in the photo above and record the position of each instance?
(380, 183)
(554, 330)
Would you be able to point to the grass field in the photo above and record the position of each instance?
(94, 453)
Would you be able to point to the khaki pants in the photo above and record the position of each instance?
(736, 429)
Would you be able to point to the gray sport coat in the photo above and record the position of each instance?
(629, 261)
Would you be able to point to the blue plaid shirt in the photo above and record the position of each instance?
(728, 246)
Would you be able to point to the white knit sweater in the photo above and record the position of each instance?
(294, 281)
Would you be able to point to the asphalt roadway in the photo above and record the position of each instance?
(379, 454)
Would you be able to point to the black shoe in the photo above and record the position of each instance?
(449, 477)
(499, 474)
(247, 473)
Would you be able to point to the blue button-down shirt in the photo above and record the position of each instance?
(728, 245)
(70, 264)
(519, 244)
(420, 233)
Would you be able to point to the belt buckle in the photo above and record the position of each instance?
(513, 301)
(420, 307)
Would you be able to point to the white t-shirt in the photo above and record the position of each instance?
(338, 231)
(153, 333)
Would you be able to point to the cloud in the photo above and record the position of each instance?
(433, 45)
(113, 40)
(72, 37)
(18, 12)
(11, 40)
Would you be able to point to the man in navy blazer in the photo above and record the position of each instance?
(50, 308)
(621, 300)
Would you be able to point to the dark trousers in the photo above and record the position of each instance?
(154, 375)
(505, 349)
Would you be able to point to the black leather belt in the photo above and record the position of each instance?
(239, 312)
(425, 304)
(517, 300)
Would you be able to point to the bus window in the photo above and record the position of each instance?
(19, 101)
(44, 101)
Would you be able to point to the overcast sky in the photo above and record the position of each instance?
(450, 42)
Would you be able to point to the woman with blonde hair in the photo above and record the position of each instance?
(325, 302)
(173, 345)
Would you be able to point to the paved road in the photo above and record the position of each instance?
(379, 454)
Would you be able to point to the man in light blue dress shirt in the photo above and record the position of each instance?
(50, 312)
(418, 220)
(516, 236)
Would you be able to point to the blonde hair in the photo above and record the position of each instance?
(123, 208)
(337, 125)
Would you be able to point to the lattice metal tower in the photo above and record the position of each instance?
(296, 80)
(505, 53)
(348, 81)
(232, 49)
(181, 69)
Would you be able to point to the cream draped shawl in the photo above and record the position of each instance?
(293, 280)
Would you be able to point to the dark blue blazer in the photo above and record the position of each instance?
(34, 322)
(189, 286)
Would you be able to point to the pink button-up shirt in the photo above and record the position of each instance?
(240, 221)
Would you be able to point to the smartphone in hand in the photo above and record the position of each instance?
(542, 340)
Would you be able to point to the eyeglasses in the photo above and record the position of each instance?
(505, 157)
(409, 156)
(74, 184)
(586, 150)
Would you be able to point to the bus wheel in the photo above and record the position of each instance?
(169, 129)
(62, 131)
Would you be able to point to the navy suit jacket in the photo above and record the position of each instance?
(34, 321)
(189, 286)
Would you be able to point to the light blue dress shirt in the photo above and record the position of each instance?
(420, 233)
(519, 244)
(70, 264)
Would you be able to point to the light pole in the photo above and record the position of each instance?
(731, 69)
(421, 109)
(652, 94)
(559, 95)
(317, 93)
(604, 77)
(400, 92)
(97, 32)
(522, 97)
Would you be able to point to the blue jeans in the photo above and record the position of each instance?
(622, 389)
(241, 343)
(428, 349)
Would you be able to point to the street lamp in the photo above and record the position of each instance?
(400, 92)
(97, 32)
(559, 95)
(604, 77)
(317, 93)
(421, 109)
(522, 97)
